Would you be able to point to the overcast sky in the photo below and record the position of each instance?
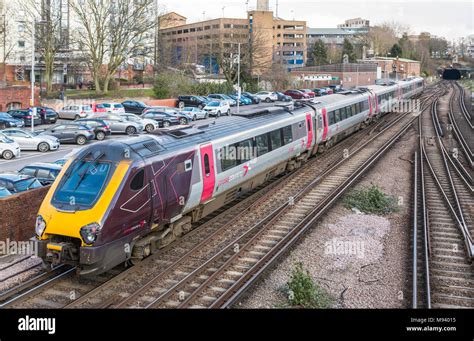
(448, 18)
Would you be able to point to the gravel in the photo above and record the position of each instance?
(361, 260)
(22, 268)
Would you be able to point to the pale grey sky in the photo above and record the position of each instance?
(448, 18)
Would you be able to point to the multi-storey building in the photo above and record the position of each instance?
(270, 40)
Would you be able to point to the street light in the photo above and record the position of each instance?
(33, 42)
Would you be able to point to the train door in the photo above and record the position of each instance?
(208, 171)
(325, 125)
(309, 126)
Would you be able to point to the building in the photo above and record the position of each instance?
(356, 24)
(214, 42)
(395, 68)
(347, 75)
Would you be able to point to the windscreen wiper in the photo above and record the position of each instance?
(83, 175)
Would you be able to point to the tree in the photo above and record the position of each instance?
(381, 39)
(319, 53)
(348, 49)
(7, 42)
(110, 33)
(278, 77)
(396, 51)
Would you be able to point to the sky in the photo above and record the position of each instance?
(446, 18)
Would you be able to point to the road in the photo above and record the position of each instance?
(29, 157)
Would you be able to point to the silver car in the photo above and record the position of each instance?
(119, 125)
(75, 112)
(195, 113)
(150, 125)
(31, 141)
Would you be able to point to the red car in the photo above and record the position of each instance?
(99, 108)
(296, 94)
(309, 92)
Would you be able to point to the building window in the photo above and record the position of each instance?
(216, 26)
(227, 26)
(21, 43)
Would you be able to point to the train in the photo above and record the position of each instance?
(119, 201)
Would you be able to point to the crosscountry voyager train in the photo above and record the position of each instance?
(120, 201)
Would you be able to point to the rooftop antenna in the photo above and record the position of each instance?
(247, 4)
(204, 15)
(223, 11)
(276, 9)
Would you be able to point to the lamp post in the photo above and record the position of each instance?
(239, 90)
(32, 100)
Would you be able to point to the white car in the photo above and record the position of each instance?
(30, 141)
(217, 108)
(148, 124)
(8, 148)
(75, 112)
(267, 96)
(114, 108)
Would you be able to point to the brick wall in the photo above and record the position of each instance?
(18, 214)
(17, 94)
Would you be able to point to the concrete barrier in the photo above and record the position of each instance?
(18, 214)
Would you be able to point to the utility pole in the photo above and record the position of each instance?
(239, 90)
(32, 101)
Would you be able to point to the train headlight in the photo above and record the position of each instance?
(40, 226)
(90, 232)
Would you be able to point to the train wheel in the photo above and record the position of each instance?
(139, 253)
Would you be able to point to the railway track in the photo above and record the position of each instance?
(176, 262)
(443, 273)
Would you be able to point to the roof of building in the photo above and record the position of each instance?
(391, 58)
(330, 31)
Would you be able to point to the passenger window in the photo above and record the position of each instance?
(332, 119)
(354, 109)
(228, 158)
(337, 115)
(207, 166)
(43, 174)
(262, 144)
(287, 135)
(245, 150)
(138, 181)
(275, 138)
(29, 171)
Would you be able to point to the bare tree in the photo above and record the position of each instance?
(7, 42)
(278, 77)
(112, 32)
(382, 38)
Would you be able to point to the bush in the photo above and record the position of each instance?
(370, 200)
(303, 292)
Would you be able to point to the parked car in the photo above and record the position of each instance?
(329, 91)
(114, 108)
(8, 147)
(100, 127)
(25, 116)
(148, 124)
(296, 94)
(98, 107)
(134, 107)
(283, 98)
(223, 98)
(232, 101)
(267, 96)
(164, 119)
(309, 92)
(243, 100)
(119, 125)
(253, 98)
(217, 108)
(75, 112)
(192, 101)
(46, 173)
(17, 183)
(319, 92)
(8, 121)
(195, 113)
(48, 115)
(170, 110)
(32, 141)
(71, 133)
(4, 193)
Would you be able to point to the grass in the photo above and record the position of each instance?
(91, 94)
(370, 200)
(303, 292)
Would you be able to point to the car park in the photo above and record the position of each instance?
(75, 112)
(8, 147)
(8, 121)
(253, 98)
(45, 173)
(217, 108)
(162, 108)
(267, 96)
(100, 127)
(148, 124)
(119, 125)
(4, 193)
(283, 98)
(134, 107)
(17, 183)
(319, 92)
(163, 118)
(71, 133)
(309, 92)
(296, 94)
(32, 141)
(25, 115)
(243, 100)
(192, 101)
(195, 113)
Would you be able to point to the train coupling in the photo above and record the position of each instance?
(63, 252)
